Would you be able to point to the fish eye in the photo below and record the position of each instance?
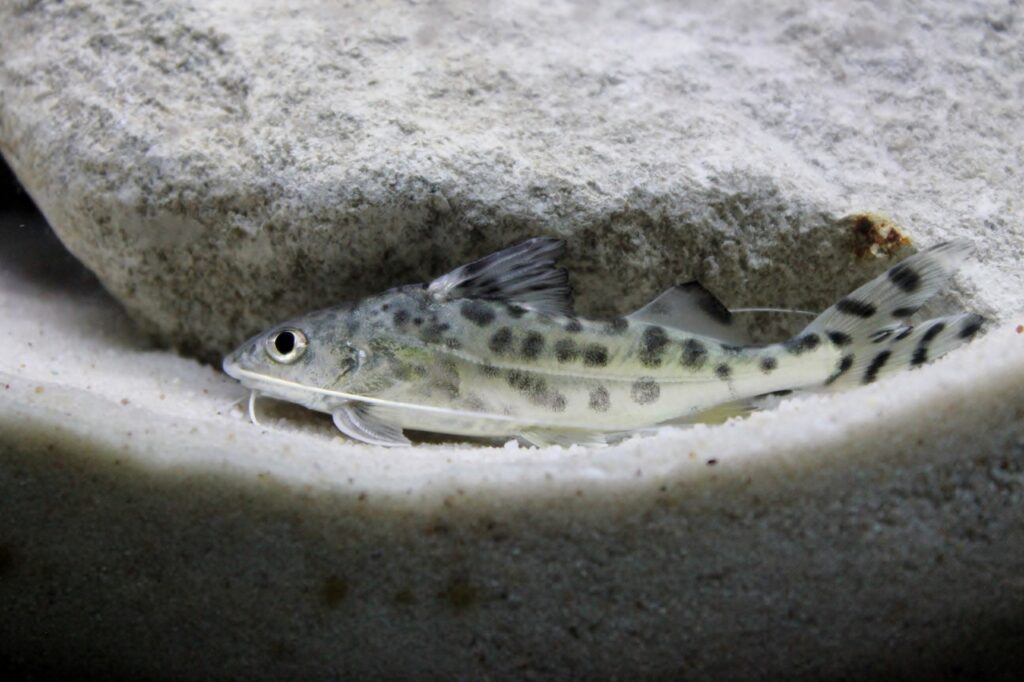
(286, 346)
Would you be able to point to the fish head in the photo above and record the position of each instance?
(302, 360)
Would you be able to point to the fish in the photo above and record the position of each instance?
(494, 349)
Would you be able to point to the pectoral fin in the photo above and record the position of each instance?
(359, 422)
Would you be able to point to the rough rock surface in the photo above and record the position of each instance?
(224, 165)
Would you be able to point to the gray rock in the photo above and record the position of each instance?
(224, 167)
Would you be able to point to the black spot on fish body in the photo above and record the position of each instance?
(600, 401)
(500, 341)
(723, 371)
(386, 307)
(845, 363)
(566, 350)
(920, 356)
(801, 344)
(533, 345)
(447, 387)
(595, 355)
(932, 332)
(904, 277)
(877, 363)
(447, 367)
(453, 343)
(520, 381)
(652, 346)
(400, 317)
(479, 313)
(417, 321)
(839, 338)
(904, 312)
(617, 326)
(851, 306)
(475, 403)
(536, 389)
(573, 326)
(403, 371)
(971, 327)
(768, 364)
(489, 370)
(434, 331)
(694, 354)
(515, 311)
(645, 390)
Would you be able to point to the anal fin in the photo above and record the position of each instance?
(359, 422)
(543, 438)
(720, 414)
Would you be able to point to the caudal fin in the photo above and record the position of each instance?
(870, 326)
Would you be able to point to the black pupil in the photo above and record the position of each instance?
(285, 343)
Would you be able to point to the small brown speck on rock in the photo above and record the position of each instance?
(874, 235)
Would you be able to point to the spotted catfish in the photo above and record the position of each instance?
(495, 349)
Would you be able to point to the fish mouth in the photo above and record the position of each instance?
(231, 367)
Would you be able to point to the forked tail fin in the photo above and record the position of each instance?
(870, 326)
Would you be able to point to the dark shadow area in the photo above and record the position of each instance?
(13, 196)
(31, 250)
(342, 586)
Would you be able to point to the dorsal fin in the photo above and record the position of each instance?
(692, 308)
(524, 274)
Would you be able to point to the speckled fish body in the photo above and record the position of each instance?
(494, 349)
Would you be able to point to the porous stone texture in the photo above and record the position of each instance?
(222, 166)
(219, 166)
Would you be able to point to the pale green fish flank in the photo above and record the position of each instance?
(495, 349)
